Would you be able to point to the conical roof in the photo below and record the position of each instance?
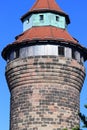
(46, 6)
(45, 33)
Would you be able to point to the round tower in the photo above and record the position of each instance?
(45, 71)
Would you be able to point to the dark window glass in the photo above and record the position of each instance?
(73, 53)
(61, 51)
(57, 18)
(41, 17)
(17, 53)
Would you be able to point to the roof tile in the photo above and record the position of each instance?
(46, 33)
(46, 4)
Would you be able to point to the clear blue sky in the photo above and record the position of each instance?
(10, 26)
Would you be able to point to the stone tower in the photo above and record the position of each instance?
(45, 71)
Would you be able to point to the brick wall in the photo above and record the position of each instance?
(44, 93)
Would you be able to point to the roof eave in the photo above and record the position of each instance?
(33, 42)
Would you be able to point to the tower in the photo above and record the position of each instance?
(45, 71)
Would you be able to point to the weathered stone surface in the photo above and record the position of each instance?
(44, 93)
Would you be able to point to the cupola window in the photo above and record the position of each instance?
(57, 18)
(61, 51)
(41, 17)
(27, 21)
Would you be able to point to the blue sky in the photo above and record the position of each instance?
(10, 26)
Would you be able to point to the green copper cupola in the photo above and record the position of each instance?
(47, 16)
(44, 33)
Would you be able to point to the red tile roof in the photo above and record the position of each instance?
(46, 5)
(45, 33)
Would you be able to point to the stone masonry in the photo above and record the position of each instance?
(44, 92)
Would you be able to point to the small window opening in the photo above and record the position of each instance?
(61, 51)
(82, 60)
(73, 53)
(12, 55)
(17, 53)
(57, 18)
(41, 17)
(8, 57)
(27, 21)
(77, 56)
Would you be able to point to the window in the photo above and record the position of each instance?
(68, 53)
(61, 51)
(77, 56)
(41, 17)
(8, 57)
(12, 55)
(27, 21)
(82, 59)
(17, 53)
(57, 18)
(73, 53)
